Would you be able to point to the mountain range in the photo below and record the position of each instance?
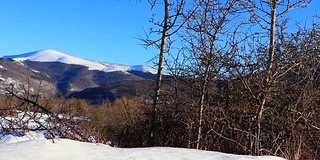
(51, 55)
(55, 73)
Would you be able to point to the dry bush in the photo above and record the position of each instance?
(73, 106)
(121, 123)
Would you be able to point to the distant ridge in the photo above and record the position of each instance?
(51, 55)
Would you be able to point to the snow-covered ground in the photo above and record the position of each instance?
(51, 55)
(34, 146)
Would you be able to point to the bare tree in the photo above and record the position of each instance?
(266, 14)
(168, 25)
(298, 92)
(211, 24)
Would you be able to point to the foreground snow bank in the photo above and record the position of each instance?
(35, 146)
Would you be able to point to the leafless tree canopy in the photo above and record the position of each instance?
(240, 78)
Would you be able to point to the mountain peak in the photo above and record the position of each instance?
(47, 55)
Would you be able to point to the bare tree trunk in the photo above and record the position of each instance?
(152, 118)
(201, 105)
(273, 17)
(269, 75)
(258, 126)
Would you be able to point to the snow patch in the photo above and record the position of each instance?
(143, 68)
(4, 68)
(35, 71)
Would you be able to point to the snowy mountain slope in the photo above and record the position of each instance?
(34, 146)
(51, 55)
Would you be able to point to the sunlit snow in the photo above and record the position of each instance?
(34, 146)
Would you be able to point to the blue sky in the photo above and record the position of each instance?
(102, 30)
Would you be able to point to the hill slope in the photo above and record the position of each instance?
(16, 74)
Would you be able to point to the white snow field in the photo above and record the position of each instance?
(50, 55)
(33, 146)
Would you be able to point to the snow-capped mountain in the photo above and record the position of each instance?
(51, 55)
(61, 74)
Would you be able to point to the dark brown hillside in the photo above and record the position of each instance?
(20, 76)
(74, 78)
